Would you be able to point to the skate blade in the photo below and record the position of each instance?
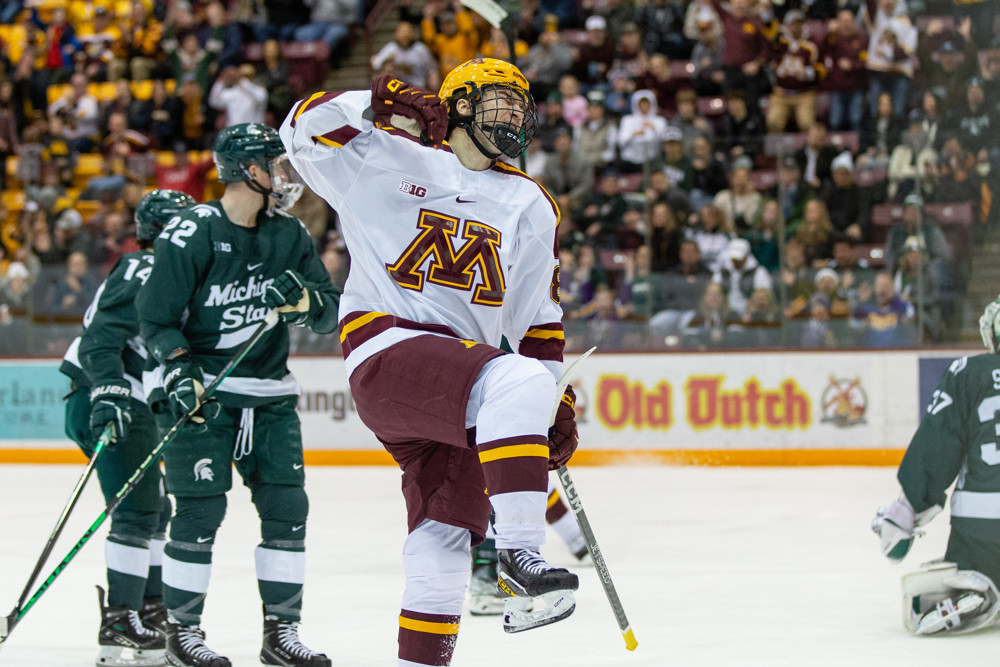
(486, 605)
(522, 614)
(120, 656)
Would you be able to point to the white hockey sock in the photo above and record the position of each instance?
(520, 519)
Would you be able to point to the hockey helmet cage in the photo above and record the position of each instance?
(156, 209)
(239, 146)
(470, 81)
(989, 326)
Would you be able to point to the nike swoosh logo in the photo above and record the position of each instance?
(254, 267)
(296, 466)
(202, 540)
(294, 528)
(465, 201)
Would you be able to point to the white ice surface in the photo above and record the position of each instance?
(715, 566)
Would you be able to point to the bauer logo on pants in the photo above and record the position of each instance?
(203, 470)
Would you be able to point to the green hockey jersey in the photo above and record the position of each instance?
(110, 347)
(205, 293)
(959, 437)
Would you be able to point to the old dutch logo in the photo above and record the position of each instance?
(844, 402)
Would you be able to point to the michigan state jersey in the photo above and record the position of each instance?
(205, 294)
(959, 436)
(110, 347)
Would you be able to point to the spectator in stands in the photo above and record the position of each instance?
(708, 173)
(958, 173)
(221, 26)
(714, 325)
(328, 22)
(763, 237)
(740, 274)
(886, 317)
(61, 44)
(632, 61)
(712, 232)
(690, 121)
(918, 283)
(675, 297)
(674, 162)
(914, 224)
(815, 234)
(283, 18)
(574, 105)
(566, 176)
(71, 295)
(78, 109)
(742, 127)
(184, 175)
(843, 54)
(592, 60)
(975, 123)
(454, 40)
(586, 274)
(657, 76)
(273, 76)
(190, 60)
(947, 74)
(791, 192)
(138, 51)
(892, 45)
(96, 37)
(662, 25)
(597, 138)
(638, 283)
(740, 203)
(745, 49)
(411, 61)
(818, 332)
(9, 142)
(797, 72)
(880, 133)
(602, 315)
(108, 245)
(603, 212)
(989, 74)
(124, 103)
(848, 205)
(552, 123)
(761, 319)
(160, 116)
(852, 272)
(665, 237)
(913, 163)
(816, 157)
(931, 116)
(640, 133)
(660, 189)
(15, 292)
(536, 155)
(796, 276)
(235, 94)
(706, 56)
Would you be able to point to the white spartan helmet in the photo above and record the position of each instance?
(989, 326)
(202, 471)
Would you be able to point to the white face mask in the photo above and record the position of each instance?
(286, 184)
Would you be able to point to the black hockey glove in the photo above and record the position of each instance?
(392, 96)
(109, 404)
(289, 294)
(183, 382)
(563, 437)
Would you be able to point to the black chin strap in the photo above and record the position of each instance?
(466, 124)
(257, 187)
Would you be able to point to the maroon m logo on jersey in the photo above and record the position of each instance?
(450, 268)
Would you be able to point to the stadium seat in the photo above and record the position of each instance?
(958, 214)
(886, 214)
(763, 179)
(869, 176)
(783, 143)
(874, 254)
(630, 183)
(711, 106)
(847, 140)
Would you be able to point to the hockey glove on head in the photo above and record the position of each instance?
(295, 302)
(563, 437)
(183, 382)
(109, 404)
(392, 96)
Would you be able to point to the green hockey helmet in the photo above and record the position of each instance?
(155, 210)
(239, 146)
(989, 326)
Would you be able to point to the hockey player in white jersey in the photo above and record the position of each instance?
(450, 250)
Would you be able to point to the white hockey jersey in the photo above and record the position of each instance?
(435, 247)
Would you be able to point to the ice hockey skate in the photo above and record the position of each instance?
(483, 597)
(535, 593)
(154, 615)
(186, 648)
(124, 641)
(282, 647)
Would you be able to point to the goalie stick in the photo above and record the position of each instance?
(9, 622)
(576, 506)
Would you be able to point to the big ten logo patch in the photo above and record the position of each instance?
(222, 246)
(411, 189)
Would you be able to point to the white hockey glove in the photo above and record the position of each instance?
(895, 524)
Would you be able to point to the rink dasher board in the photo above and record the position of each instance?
(722, 408)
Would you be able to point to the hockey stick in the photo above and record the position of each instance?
(588, 533)
(9, 622)
(102, 442)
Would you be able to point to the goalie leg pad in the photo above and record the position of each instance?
(941, 598)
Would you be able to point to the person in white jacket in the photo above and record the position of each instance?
(640, 133)
(242, 100)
